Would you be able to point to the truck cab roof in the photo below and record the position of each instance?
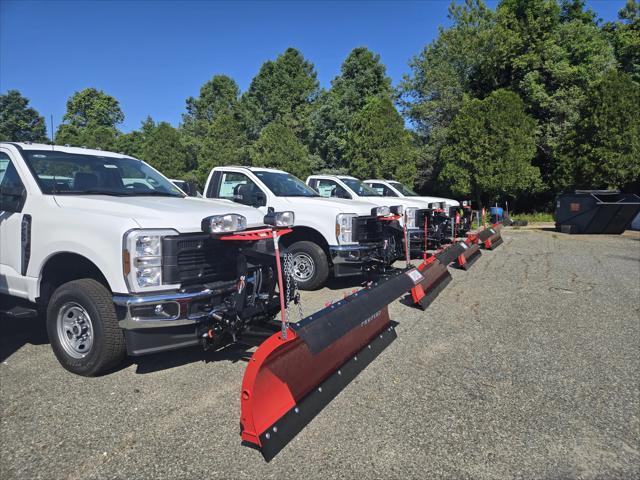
(65, 149)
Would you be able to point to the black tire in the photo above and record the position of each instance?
(108, 347)
(315, 254)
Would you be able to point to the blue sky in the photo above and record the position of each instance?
(152, 55)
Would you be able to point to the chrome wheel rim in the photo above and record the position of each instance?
(303, 266)
(75, 330)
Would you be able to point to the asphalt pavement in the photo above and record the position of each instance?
(526, 366)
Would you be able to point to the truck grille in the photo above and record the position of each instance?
(197, 258)
(367, 229)
(421, 215)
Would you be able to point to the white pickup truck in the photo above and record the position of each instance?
(120, 260)
(391, 188)
(348, 187)
(331, 234)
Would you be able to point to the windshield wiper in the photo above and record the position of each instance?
(89, 192)
(298, 195)
(155, 194)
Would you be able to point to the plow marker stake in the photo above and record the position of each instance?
(289, 381)
(435, 276)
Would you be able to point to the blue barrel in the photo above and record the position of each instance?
(496, 214)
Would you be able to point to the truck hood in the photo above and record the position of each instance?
(449, 201)
(393, 201)
(181, 214)
(339, 205)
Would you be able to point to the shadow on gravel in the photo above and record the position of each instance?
(344, 283)
(17, 332)
(177, 358)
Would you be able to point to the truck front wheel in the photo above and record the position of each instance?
(310, 265)
(83, 328)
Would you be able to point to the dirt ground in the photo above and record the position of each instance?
(526, 366)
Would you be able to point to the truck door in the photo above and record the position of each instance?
(15, 230)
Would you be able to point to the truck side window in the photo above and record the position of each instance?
(382, 189)
(237, 187)
(325, 187)
(329, 188)
(11, 187)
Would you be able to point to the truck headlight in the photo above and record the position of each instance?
(380, 211)
(142, 258)
(231, 222)
(279, 219)
(410, 216)
(397, 209)
(344, 228)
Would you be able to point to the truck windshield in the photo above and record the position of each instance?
(360, 188)
(284, 184)
(60, 173)
(407, 192)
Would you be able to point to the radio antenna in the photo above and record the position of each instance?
(52, 132)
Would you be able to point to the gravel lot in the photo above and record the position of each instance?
(527, 366)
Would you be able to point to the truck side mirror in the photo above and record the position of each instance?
(339, 192)
(259, 199)
(12, 199)
(191, 189)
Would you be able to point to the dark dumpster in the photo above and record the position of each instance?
(596, 211)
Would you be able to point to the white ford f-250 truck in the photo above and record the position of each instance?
(348, 187)
(121, 261)
(331, 234)
(391, 188)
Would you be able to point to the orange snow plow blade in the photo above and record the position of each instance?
(291, 378)
(435, 276)
(490, 238)
(461, 254)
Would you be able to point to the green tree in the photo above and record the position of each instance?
(491, 144)
(548, 52)
(462, 60)
(131, 143)
(553, 59)
(278, 147)
(94, 136)
(605, 150)
(90, 120)
(206, 117)
(164, 150)
(217, 96)
(625, 38)
(18, 121)
(284, 91)
(379, 146)
(362, 76)
(224, 144)
(92, 107)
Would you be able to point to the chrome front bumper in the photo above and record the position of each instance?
(160, 310)
(351, 260)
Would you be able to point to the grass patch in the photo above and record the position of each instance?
(533, 217)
